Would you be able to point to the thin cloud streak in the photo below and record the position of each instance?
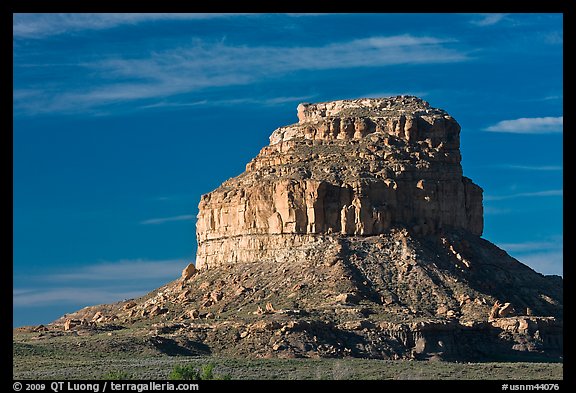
(546, 193)
(99, 283)
(72, 295)
(209, 65)
(253, 101)
(544, 256)
(123, 270)
(536, 168)
(39, 26)
(488, 19)
(529, 125)
(163, 220)
(531, 246)
(44, 25)
(544, 262)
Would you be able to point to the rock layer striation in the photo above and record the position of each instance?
(349, 167)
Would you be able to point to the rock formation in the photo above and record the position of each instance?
(354, 233)
(354, 167)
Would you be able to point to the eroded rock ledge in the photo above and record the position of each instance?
(349, 167)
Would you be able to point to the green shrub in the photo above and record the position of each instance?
(207, 372)
(116, 376)
(190, 373)
(185, 373)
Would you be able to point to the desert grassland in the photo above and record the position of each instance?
(49, 360)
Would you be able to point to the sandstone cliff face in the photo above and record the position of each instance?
(351, 167)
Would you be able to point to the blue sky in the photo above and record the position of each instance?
(122, 121)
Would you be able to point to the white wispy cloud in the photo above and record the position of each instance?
(168, 104)
(529, 125)
(546, 168)
(98, 283)
(162, 220)
(22, 291)
(544, 256)
(550, 262)
(488, 19)
(185, 70)
(35, 26)
(123, 270)
(258, 101)
(72, 295)
(545, 193)
(520, 167)
(532, 246)
(42, 25)
(553, 37)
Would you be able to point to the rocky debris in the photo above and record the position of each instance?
(499, 310)
(188, 272)
(71, 323)
(216, 296)
(207, 303)
(494, 311)
(155, 311)
(259, 311)
(98, 317)
(356, 325)
(506, 310)
(270, 308)
(129, 305)
(183, 297)
(263, 325)
(350, 298)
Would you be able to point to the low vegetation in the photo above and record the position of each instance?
(116, 376)
(190, 373)
(54, 360)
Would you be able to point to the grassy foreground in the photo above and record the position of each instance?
(38, 362)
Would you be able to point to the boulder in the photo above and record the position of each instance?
(263, 325)
(98, 317)
(216, 296)
(494, 311)
(129, 305)
(157, 310)
(506, 310)
(69, 324)
(188, 272)
(347, 298)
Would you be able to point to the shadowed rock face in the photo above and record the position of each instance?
(350, 167)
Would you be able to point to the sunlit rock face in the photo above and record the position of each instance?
(347, 168)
